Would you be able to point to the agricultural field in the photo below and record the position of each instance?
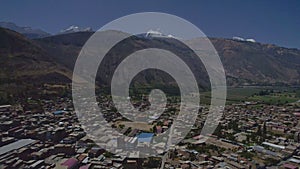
(267, 95)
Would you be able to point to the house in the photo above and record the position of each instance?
(290, 166)
(95, 152)
(4, 108)
(70, 163)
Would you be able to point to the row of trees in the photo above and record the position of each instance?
(5, 98)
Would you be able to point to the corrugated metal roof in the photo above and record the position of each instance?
(15, 145)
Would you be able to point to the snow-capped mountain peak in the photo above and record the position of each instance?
(74, 28)
(29, 32)
(152, 33)
(243, 39)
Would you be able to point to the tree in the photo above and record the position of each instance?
(246, 154)
(5, 98)
(218, 131)
(259, 131)
(264, 130)
(129, 130)
(234, 125)
(154, 129)
(153, 162)
(121, 126)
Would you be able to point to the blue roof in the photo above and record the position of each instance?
(59, 112)
(145, 137)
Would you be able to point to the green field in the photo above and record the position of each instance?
(234, 95)
(267, 95)
(275, 98)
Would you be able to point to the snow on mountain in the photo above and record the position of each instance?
(152, 33)
(27, 31)
(250, 40)
(243, 39)
(238, 38)
(74, 28)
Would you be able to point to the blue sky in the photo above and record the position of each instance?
(274, 21)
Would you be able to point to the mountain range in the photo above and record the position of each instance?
(245, 62)
(29, 62)
(32, 33)
(26, 31)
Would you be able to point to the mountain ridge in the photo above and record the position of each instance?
(52, 59)
(26, 66)
(248, 63)
(25, 30)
